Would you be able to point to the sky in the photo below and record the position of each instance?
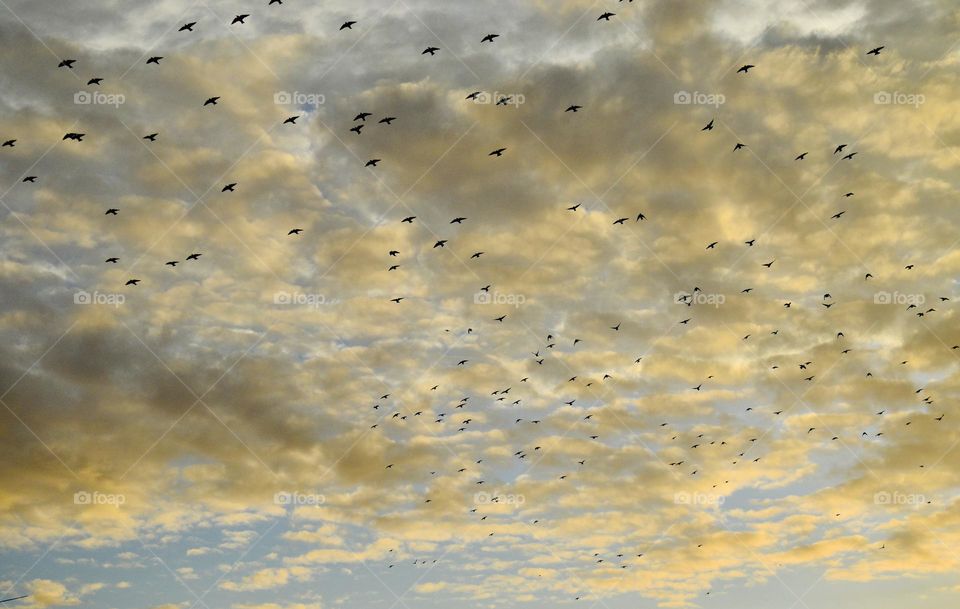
(689, 341)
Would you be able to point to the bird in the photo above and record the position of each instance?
(31, 179)
(67, 63)
(95, 81)
(132, 282)
(152, 137)
(430, 51)
(239, 19)
(77, 137)
(875, 51)
(229, 187)
(212, 101)
(801, 157)
(387, 120)
(606, 16)
(348, 25)
(8, 144)
(745, 69)
(498, 152)
(112, 260)
(850, 156)
(489, 38)
(573, 108)
(372, 163)
(709, 126)
(187, 27)
(113, 211)
(440, 243)
(154, 60)
(194, 256)
(409, 219)
(291, 120)
(295, 231)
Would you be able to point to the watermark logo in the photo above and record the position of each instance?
(296, 499)
(698, 98)
(898, 498)
(497, 298)
(497, 98)
(97, 498)
(898, 98)
(302, 300)
(483, 498)
(82, 297)
(701, 499)
(897, 298)
(699, 298)
(98, 98)
(297, 98)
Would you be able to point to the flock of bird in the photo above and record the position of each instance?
(462, 414)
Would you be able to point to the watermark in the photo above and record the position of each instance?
(699, 298)
(897, 298)
(97, 498)
(898, 98)
(83, 297)
(296, 498)
(300, 299)
(98, 98)
(703, 499)
(499, 99)
(496, 298)
(698, 98)
(898, 498)
(297, 98)
(483, 498)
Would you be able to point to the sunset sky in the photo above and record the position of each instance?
(631, 366)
